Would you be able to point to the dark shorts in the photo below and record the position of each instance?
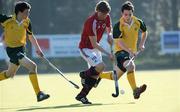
(121, 57)
(15, 54)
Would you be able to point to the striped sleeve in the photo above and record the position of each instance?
(29, 29)
(3, 18)
(142, 25)
(116, 31)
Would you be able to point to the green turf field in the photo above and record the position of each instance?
(162, 95)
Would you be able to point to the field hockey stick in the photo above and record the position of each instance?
(55, 68)
(116, 94)
(132, 58)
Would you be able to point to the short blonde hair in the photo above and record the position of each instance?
(103, 6)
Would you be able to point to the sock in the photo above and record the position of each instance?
(3, 76)
(106, 75)
(85, 91)
(34, 82)
(131, 79)
(91, 72)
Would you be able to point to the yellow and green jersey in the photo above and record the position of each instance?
(15, 32)
(128, 34)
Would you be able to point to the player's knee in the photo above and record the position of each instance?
(9, 74)
(100, 67)
(33, 68)
(130, 67)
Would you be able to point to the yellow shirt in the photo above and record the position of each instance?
(128, 34)
(15, 32)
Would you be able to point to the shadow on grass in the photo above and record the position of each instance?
(71, 106)
(62, 106)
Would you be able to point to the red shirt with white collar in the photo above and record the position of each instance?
(93, 27)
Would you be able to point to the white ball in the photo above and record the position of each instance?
(122, 91)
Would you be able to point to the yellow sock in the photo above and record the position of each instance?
(34, 82)
(106, 75)
(3, 76)
(131, 79)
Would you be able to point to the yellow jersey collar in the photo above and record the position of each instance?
(124, 23)
(19, 23)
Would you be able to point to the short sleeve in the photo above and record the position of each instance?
(90, 27)
(29, 29)
(3, 18)
(108, 21)
(116, 31)
(142, 25)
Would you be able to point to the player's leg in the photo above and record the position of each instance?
(131, 79)
(130, 74)
(89, 76)
(13, 64)
(120, 70)
(32, 67)
(10, 72)
(109, 74)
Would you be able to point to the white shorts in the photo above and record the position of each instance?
(92, 56)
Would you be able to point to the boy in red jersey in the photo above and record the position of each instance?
(90, 49)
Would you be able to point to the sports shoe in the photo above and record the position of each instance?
(82, 99)
(97, 82)
(137, 92)
(42, 96)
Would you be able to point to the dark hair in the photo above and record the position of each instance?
(103, 7)
(21, 6)
(127, 6)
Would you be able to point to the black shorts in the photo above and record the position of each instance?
(121, 57)
(15, 54)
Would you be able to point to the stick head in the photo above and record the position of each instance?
(75, 85)
(115, 95)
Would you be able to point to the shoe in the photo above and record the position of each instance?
(137, 92)
(97, 82)
(42, 96)
(82, 99)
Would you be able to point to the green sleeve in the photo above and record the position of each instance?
(142, 25)
(116, 31)
(29, 30)
(3, 18)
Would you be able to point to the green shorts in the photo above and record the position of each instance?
(121, 57)
(15, 54)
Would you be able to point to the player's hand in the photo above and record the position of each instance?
(39, 53)
(141, 47)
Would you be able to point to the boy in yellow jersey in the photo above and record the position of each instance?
(125, 34)
(16, 28)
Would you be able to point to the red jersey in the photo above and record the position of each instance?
(93, 27)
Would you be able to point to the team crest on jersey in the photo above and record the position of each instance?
(104, 25)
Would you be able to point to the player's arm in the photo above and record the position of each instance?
(110, 37)
(117, 35)
(109, 31)
(143, 35)
(92, 37)
(93, 40)
(33, 41)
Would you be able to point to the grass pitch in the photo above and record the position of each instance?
(162, 94)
